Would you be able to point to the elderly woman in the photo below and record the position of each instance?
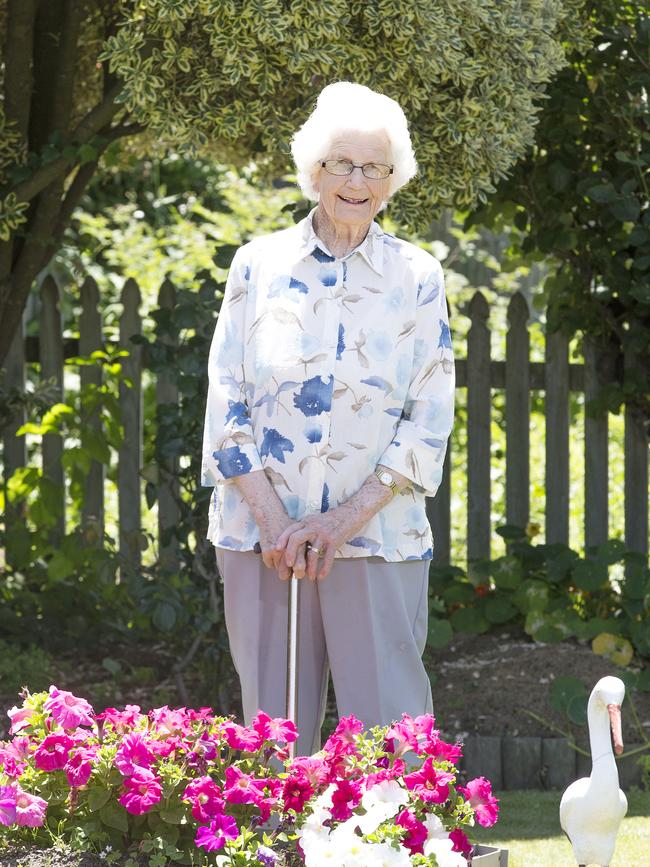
(330, 403)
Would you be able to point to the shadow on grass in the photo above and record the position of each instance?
(534, 815)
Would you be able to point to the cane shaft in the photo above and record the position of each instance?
(292, 654)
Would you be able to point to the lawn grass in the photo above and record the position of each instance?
(529, 828)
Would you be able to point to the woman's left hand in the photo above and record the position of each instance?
(324, 532)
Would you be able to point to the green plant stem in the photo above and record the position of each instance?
(571, 742)
(638, 723)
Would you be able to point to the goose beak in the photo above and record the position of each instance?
(614, 711)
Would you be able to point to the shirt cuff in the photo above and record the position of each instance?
(226, 463)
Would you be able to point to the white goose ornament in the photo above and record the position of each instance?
(592, 808)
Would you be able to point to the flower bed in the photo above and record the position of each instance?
(188, 787)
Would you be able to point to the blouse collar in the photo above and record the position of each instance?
(371, 248)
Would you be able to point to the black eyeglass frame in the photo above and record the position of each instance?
(391, 169)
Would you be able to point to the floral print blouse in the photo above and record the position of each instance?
(321, 368)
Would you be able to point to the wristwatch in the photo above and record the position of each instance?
(387, 479)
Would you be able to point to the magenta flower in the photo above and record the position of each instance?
(13, 756)
(400, 738)
(52, 753)
(205, 798)
(345, 797)
(169, 721)
(20, 718)
(429, 784)
(460, 841)
(221, 829)
(341, 741)
(297, 790)
(7, 805)
(314, 769)
(30, 809)
(142, 791)
(277, 729)
(417, 831)
(133, 754)
(241, 738)
(68, 710)
(479, 794)
(446, 752)
(121, 719)
(242, 788)
(79, 766)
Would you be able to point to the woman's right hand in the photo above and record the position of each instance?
(272, 524)
(270, 517)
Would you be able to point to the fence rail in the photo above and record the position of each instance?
(477, 373)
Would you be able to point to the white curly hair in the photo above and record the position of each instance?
(345, 107)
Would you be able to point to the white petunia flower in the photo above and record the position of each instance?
(443, 850)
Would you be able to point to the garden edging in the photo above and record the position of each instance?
(516, 762)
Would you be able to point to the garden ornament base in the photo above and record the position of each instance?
(488, 856)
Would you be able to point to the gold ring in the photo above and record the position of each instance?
(314, 548)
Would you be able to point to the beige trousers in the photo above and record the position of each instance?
(367, 622)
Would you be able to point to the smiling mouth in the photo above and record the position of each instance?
(353, 201)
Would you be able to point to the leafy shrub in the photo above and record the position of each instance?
(551, 591)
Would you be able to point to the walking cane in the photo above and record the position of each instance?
(292, 656)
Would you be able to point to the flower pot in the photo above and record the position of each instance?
(488, 856)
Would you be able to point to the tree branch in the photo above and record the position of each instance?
(88, 127)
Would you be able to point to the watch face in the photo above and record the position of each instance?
(386, 478)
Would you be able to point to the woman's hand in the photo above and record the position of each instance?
(325, 532)
(272, 524)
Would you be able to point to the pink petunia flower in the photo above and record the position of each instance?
(52, 753)
(20, 718)
(120, 720)
(79, 767)
(277, 729)
(134, 753)
(429, 784)
(417, 831)
(7, 805)
(242, 788)
(13, 756)
(205, 797)
(221, 829)
(68, 710)
(479, 794)
(142, 791)
(30, 809)
(345, 797)
(168, 721)
(314, 769)
(342, 739)
(241, 738)
(297, 790)
(460, 841)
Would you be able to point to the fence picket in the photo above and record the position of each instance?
(90, 340)
(130, 454)
(517, 413)
(478, 430)
(557, 438)
(51, 353)
(168, 488)
(596, 454)
(636, 476)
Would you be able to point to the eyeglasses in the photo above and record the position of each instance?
(374, 171)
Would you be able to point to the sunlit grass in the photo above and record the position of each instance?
(529, 828)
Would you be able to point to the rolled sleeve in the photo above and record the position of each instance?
(419, 444)
(229, 447)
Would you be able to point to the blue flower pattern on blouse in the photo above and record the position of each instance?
(321, 368)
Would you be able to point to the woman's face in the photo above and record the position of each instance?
(354, 200)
